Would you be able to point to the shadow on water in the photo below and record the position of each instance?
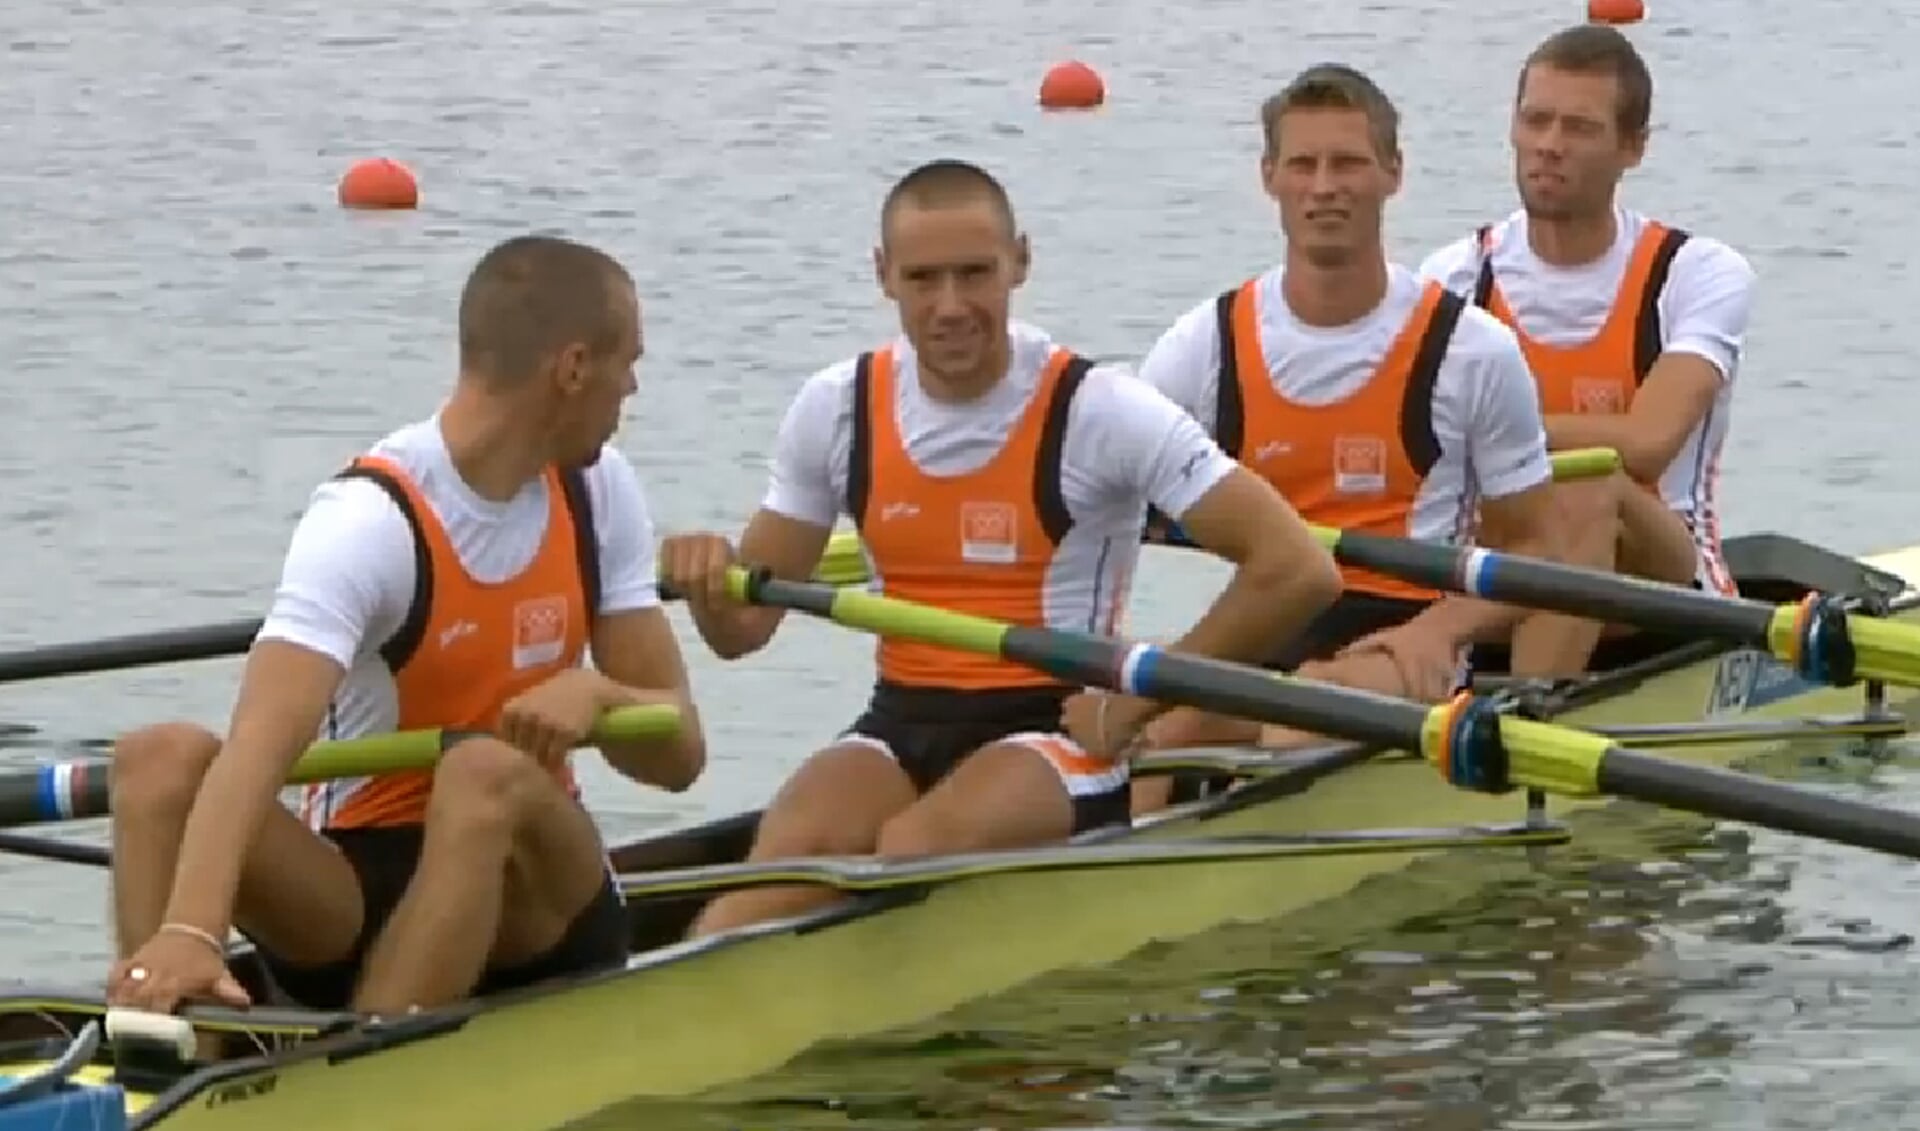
(1609, 987)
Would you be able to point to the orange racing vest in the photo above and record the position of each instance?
(466, 647)
(1601, 374)
(981, 543)
(1354, 464)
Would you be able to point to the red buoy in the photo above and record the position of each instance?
(1072, 86)
(378, 182)
(1616, 11)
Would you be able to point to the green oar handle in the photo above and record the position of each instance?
(78, 789)
(419, 749)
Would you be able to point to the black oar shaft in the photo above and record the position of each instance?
(47, 848)
(1758, 801)
(1539, 584)
(177, 645)
(1195, 681)
(63, 791)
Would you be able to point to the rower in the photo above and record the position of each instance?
(1633, 328)
(1370, 400)
(453, 576)
(992, 471)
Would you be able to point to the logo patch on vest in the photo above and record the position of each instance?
(989, 533)
(539, 631)
(1598, 397)
(1359, 465)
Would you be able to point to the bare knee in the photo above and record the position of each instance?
(158, 769)
(813, 831)
(483, 786)
(835, 805)
(919, 831)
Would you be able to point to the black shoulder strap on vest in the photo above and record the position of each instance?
(860, 447)
(1229, 409)
(586, 542)
(1416, 412)
(1648, 339)
(1048, 499)
(1483, 282)
(400, 647)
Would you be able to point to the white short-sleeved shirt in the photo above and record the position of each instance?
(1486, 412)
(1125, 447)
(1703, 310)
(348, 577)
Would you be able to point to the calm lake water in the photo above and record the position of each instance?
(193, 334)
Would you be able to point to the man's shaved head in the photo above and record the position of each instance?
(946, 184)
(533, 296)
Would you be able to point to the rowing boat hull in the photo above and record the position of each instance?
(686, 1017)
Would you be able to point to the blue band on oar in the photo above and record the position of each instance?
(1476, 571)
(1824, 652)
(1137, 670)
(1477, 755)
(47, 794)
(59, 791)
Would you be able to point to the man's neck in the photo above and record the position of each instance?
(959, 389)
(1573, 241)
(490, 444)
(1335, 296)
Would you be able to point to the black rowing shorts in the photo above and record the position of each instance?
(383, 860)
(929, 731)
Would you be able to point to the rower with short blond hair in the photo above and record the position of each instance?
(1371, 400)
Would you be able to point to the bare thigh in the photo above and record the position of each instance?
(556, 864)
(835, 803)
(1009, 794)
(297, 897)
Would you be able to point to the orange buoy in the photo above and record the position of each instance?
(1616, 11)
(1072, 86)
(378, 182)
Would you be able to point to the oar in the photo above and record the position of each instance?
(1816, 635)
(75, 790)
(60, 851)
(843, 564)
(866, 873)
(173, 645)
(1473, 743)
